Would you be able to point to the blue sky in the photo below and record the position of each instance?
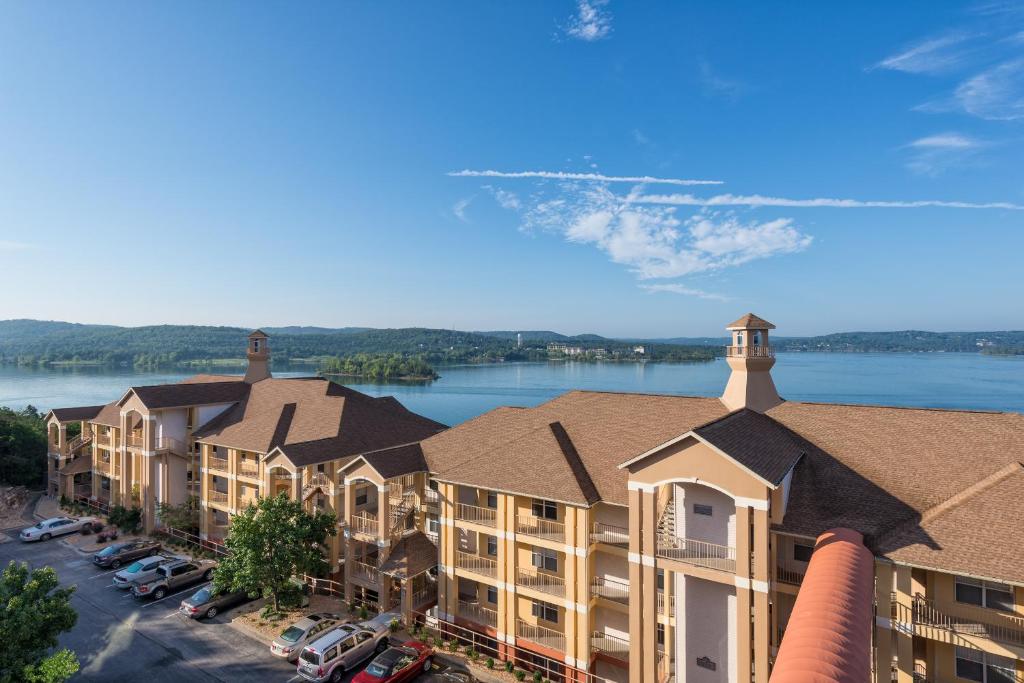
(268, 164)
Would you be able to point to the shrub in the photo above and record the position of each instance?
(519, 674)
(471, 653)
(363, 613)
(509, 666)
(490, 662)
(537, 678)
(63, 501)
(394, 626)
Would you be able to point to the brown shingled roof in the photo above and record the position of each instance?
(750, 322)
(76, 414)
(396, 461)
(413, 554)
(313, 420)
(757, 442)
(109, 416)
(190, 393)
(515, 449)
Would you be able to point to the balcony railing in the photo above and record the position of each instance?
(966, 620)
(476, 564)
(790, 576)
(760, 351)
(431, 498)
(168, 443)
(366, 572)
(248, 468)
(423, 596)
(615, 590)
(364, 523)
(319, 480)
(541, 635)
(699, 553)
(661, 602)
(545, 582)
(135, 440)
(610, 534)
(104, 439)
(477, 613)
(476, 514)
(528, 525)
(610, 645)
(219, 497)
(105, 467)
(219, 464)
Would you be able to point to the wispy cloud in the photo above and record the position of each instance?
(591, 21)
(459, 209)
(756, 200)
(996, 94)
(592, 177)
(934, 55)
(639, 137)
(716, 85)
(676, 288)
(933, 154)
(6, 245)
(505, 198)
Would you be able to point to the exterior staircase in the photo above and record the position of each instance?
(667, 523)
(78, 442)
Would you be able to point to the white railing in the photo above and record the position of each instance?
(615, 590)
(423, 596)
(431, 497)
(476, 514)
(220, 464)
(321, 481)
(366, 572)
(661, 602)
(610, 645)
(540, 581)
(476, 564)
(477, 613)
(364, 523)
(247, 468)
(610, 534)
(218, 496)
(541, 635)
(528, 525)
(699, 553)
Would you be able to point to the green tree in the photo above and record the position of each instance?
(34, 610)
(269, 543)
(22, 447)
(184, 516)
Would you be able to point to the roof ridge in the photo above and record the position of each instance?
(575, 462)
(891, 407)
(625, 393)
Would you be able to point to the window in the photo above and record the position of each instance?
(545, 611)
(333, 652)
(802, 552)
(256, 345)
(320, 467)
(699, 509)
(432, 484)
(660, 637)
(975, 665)
(661, 579)
(984, 593)
(492, 546)
(545, 509)
(433, 525)
(361, 496)
(492, 500)
(492, 595)
(545, 559)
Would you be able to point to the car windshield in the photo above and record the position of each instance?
(292, 634)
(109, 550)
(202, 595)
(378, 670)
(310, 656)
(40, 525)
(133, 567)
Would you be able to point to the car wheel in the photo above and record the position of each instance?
(336, 675)
(428, 664)
(208, 575)
(45, 537)
(211, 613)
(153, 552)
(159, 593)
(116, 564)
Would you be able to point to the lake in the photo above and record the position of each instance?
(934, 380)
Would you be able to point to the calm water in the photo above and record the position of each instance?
(938, 380)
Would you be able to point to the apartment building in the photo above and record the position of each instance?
(230, 440)
(647, 538)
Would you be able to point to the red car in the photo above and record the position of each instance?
(401, 663)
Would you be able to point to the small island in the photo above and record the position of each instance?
(383, 366)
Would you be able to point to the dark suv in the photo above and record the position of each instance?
(115, 555)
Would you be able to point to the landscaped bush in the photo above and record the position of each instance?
(363, 613)
(490, 662)
(519, 674)
(126, 519)
(509, 666)
(537, 678)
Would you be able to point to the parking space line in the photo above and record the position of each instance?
(171, 595)
(105, 573)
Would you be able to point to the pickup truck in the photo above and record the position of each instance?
(173, 577)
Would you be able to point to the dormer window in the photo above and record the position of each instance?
(256, 345)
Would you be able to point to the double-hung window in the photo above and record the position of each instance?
(984, 593)
(545, 610)
(545, 559)
(545, 509)
(492, 546)
(975, 665)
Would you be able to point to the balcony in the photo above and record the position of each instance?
(964, 620)
(220, 497)
(476, 564)
(476, 514)
(612, 646)
(541, 635)
(545, 582)
(699, 553)
(249, 468)
(365, 572)
(760, 351)
(320, 481)
(661, 603)
(364, 523)
(167, 443)
(104, 440)
(104, 467)
(478, 614)
(609, 534)
(135, 440)
(215, 463)
(431, 498)
(789, 576)
(610, 589)
(548, 529)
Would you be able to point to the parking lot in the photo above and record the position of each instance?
(120, 638)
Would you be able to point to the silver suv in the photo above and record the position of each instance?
(289, 644)
(330, 656)
(140, 571)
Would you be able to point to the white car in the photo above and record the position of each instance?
(58, 526)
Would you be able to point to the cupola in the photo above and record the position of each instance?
(259, 357)
(750, 357)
